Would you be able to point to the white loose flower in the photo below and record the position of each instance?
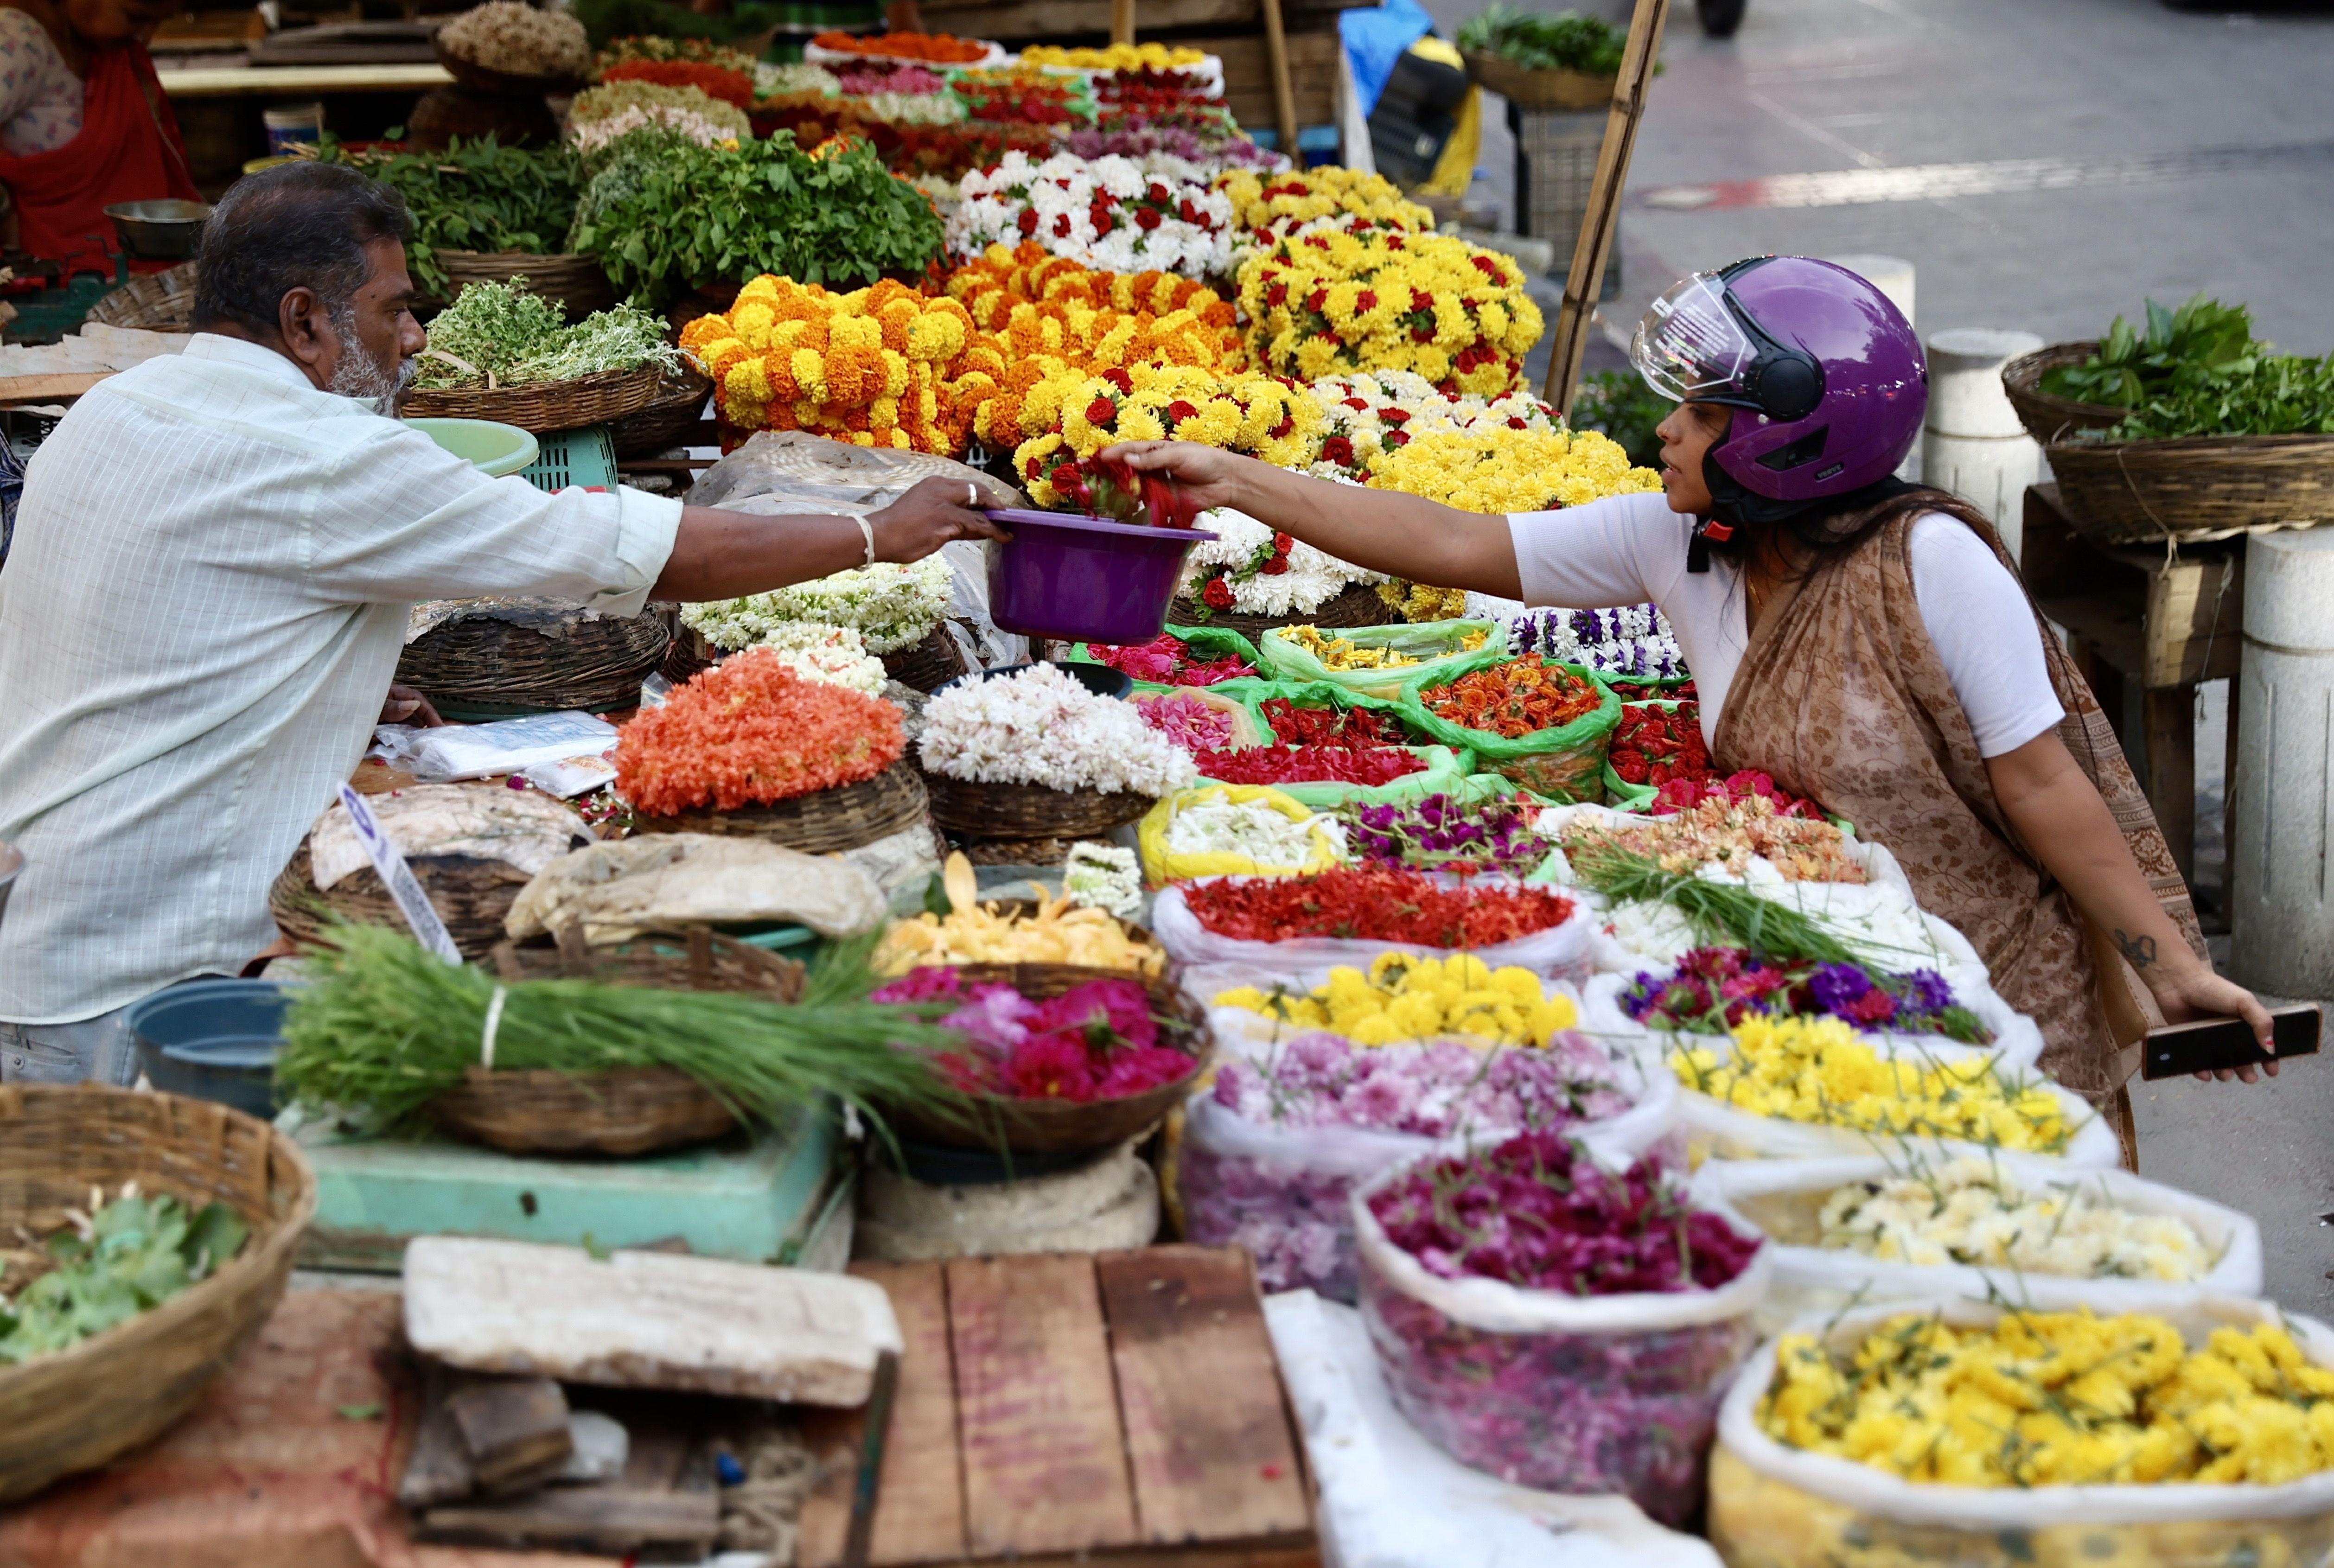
(891, 606)
(1313, 576)
(1973, 1212)
(834, 654)
(1041, 726)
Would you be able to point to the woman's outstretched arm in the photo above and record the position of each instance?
(1383, 530)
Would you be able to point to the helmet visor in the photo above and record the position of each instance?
(1690, 343)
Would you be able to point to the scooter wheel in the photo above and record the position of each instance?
(1720, 18)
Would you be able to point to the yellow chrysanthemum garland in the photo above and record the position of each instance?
(1403, 999)
(1820, 1071)
(1240, 412)
(873, 367)
(1260, 201)
(2058, 1400)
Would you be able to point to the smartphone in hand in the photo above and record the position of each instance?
(2214, 1044)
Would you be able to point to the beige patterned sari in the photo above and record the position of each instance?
(1842, 697)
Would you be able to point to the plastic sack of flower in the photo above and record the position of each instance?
(1563, 763)
(1226, 713)
(1619, 792)
(1559, 952)
(1382, 659)
(1562, 1392)
(1163, 862)
(1150, 664)
(1445, 773)
(1815, 1273)
(1772, 1505)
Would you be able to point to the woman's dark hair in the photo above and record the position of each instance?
(295, 226)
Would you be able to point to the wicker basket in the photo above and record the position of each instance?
(479, 667)
(666, 421)
(929, 665)
(689, 656)
(1017, 851)
(2047, 416)
(1356, 606)
(2195, 491)
(697, 958)
(470, 895)
(577, 281)
(1564, 91)
(161, 301)
(1021, 811)
(625, 1111)
(825, 820)
(79, 1408)
(538, 406)
(502, 83)
(1062, 1127)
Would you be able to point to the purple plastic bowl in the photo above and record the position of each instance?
(1085, 579)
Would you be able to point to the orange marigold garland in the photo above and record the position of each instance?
(750, 731)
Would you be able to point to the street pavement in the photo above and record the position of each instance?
(2045, 165)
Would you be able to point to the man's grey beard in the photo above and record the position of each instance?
(357, 374)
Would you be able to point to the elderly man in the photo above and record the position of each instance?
(208, 588)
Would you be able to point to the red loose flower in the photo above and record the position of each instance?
(1217, 594)
(1146, 218)
(1179, 410)
(1101, 411)
(1028, 220)
(1338, 450)
(1117, 377)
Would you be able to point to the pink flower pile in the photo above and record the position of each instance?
(1097, 1040)
(1431, 1091)
(1194, 725)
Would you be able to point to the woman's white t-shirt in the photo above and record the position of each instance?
(1629, 549)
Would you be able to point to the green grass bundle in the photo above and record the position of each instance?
(389, 1027)
(1721, 914)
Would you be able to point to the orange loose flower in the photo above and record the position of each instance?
(750, 731)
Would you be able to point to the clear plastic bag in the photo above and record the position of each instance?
(1773, 1506)
(1784, 1200)
(1558, 953)
(1578, 1394)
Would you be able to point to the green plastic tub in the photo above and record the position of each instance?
(491, 447)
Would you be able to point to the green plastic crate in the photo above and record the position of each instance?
(585, 457)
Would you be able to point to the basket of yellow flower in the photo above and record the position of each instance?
(1994, 1436)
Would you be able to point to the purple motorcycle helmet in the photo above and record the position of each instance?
(1828, 373)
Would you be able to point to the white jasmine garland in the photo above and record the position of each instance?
(1040, 726)
(892, 606)
(1313, 576)
(1251, 829)
(834, 654)
(1150, 220)
(1973, 1212)
(1103, 877)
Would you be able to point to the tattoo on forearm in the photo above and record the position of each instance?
(2139, 952)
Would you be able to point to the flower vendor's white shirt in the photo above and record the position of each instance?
(201, 614)
(1628, 549)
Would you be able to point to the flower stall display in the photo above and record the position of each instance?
(891, 606)
(1179, 147)
(1632, 643)
(1713, 989)
(1012, 97)
(1801, 1088)
(1992, 1436)
(1971, 1211)
(830, 653)
(1237, 830)
(1373, 661)
(901, 95)
(1116, 57)
(1725, 836)
(1270, 1157)
(653, 47)
(1096, 1041)
(1559, 1324)
(1260, 201)
(1539, 723)
(1736, 789)
(1462, 834)
(1347, 295)
(1364, 767)
(1323, 715)
(751, 731)
(1180, 655)
(929, 48)
(1040, 726)
(1107, 213)
(601, 114)
(774, 79)
(875, 367)
(1054, 930)
(1402, 999)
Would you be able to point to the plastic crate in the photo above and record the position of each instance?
(1556, 167)
(567, 457)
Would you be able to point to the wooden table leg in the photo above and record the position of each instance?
(2171, 781)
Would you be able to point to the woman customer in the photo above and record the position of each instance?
(84, 123)
(1865, 641)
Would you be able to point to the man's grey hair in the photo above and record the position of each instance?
(297, 226)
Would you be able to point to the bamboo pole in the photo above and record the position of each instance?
(1284, 95)
(1595, 245)
(1121, 21)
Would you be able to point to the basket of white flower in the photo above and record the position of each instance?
(1035, 754)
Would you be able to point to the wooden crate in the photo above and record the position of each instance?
(1016, 20)
(1120, 1407)
(1248, 78)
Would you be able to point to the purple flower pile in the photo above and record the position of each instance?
(1713, 989)
(1225, 151)
(1629, 1412)
(1632, 643)
(1443, 832)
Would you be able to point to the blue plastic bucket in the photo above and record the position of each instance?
(213, 1040)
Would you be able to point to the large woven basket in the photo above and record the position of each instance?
(625, 1111)
(577, 281)
(81, 1407)
(821, 823)
(503, 84)
(1060, 1126)
(470, 895)
(2047, 416)
(668, 420)
(543, 406)
(1021, 811)
(697, 958)
(161, 301)
(476, 666)
(1356, 606)
(2195, 491)
(1565, 91)
(928, 665)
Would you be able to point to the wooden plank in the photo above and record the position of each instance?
(1639, 56)
(237, 81)
(513, 1430)
(1207, 1436)
(47, 388)
(1121, 21)
(1284, 94)
(1248, 78)
(2170, 719)
(2194, 620)
(1031, 19)
(615, 1520)
(1045, 1457)
(920, 1506)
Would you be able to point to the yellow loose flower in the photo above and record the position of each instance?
(1403, 999)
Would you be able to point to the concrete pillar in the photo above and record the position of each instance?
(1975, 445)
(2281, 914)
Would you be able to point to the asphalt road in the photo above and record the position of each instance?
(2045, 165)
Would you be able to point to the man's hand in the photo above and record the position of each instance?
(935, 512)
(406, 705)
(1211, 476)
